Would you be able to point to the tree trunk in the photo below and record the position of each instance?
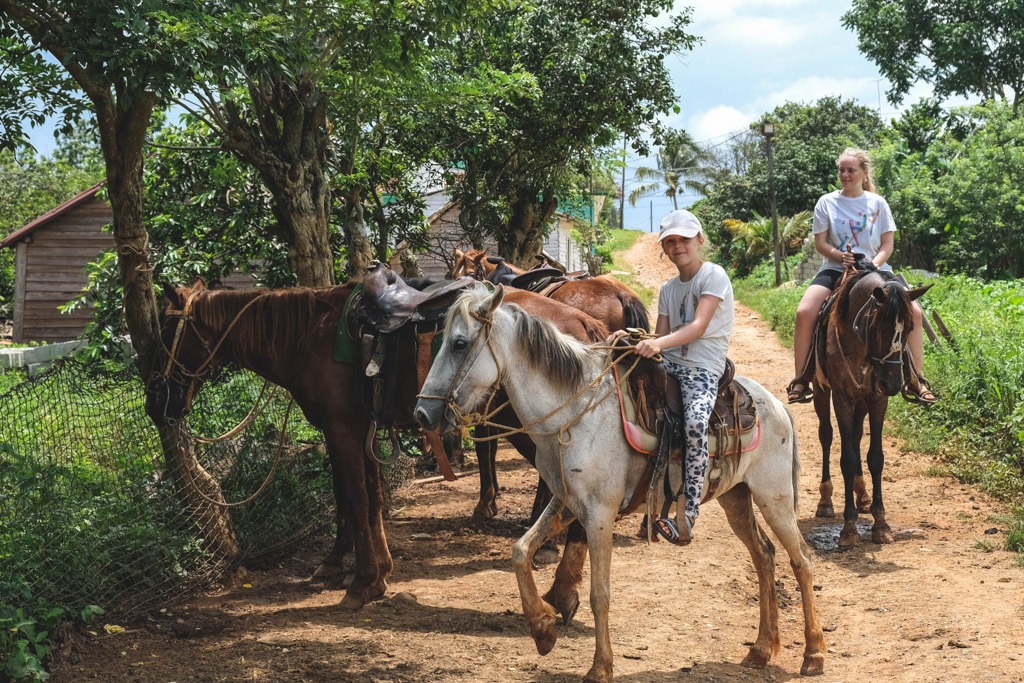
(122, 135)
(524, 238)
(357, 237)
(301, 205)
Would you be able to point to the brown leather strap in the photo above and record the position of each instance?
(424, 359)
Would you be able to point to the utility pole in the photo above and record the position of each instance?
(768, 131)
(622, 193)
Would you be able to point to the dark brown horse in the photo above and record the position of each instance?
(287, 336)
(860, 356)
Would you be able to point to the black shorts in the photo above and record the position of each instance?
(827, 278)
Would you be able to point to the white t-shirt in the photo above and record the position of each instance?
(678, 301)
(857, 221)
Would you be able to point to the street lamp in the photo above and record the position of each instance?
(768, 131)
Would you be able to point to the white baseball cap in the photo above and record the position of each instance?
(680, 222)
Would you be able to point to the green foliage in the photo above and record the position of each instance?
(608, 68)
(960, 201)
(753, 240)
(961, 47)
(26, 623)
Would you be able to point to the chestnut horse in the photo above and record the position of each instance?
(565, 395)
(287, 336)
(603, 297)
(860, 355)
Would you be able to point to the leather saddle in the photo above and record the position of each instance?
(389, 302)
(733, 415)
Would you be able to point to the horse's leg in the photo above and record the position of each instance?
(486, 452)
(540, 616)
(547, 553)
(822, 408)
(740, 512)
(331, 570)
(880, 532)
(850, 416)
(564, 593)
(599, 526)
(779, 512)
(364, 502)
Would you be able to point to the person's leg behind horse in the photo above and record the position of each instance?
(918, 389)
(807, 311)
(699, 387)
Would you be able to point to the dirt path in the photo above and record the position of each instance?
(936, 605)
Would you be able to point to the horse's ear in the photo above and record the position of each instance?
(198, 285)
(879, 294)
(915, 294)
(491, 303)
(459, 253)
(172, 296)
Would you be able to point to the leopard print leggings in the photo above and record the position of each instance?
(699, 388)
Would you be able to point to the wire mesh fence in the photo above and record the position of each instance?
(88, 514)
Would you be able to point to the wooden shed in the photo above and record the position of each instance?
(51, 253)
(446, 234)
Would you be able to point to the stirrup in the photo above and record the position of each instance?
(912, 394)
(805, 397)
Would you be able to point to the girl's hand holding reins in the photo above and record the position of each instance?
(647, 348)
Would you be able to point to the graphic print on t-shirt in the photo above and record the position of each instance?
(857, 227)
(687, 312)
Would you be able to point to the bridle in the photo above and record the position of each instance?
(861, 324)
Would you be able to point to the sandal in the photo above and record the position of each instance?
(920, 394)
(795, 395)
(669, 529)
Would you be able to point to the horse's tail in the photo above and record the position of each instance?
(595, 329)
(634, 313)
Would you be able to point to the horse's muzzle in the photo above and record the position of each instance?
(429, 413)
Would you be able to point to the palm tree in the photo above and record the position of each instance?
(681, 165)
(755, 236)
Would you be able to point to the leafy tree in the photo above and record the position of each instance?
(959, 204)
(581, 75)
(681, 165)
(961, 47)
(755, 238)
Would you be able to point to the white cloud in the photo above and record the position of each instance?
(809, 89)
(710, 11)
(757, 33)
(717, 122)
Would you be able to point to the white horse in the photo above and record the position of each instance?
(559, 390)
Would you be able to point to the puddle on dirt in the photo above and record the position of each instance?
(826, 536)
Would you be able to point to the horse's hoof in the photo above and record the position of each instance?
(543, 632)
(332, 575)
(864, 506)
(755, 659)
(825, 510)
(351, 603)
(849, 538)
(566, 604)
(598, 674)
(881, 534)
(814, 665)
(546, 554)
(482, 513)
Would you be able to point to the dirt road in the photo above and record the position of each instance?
(939, 604)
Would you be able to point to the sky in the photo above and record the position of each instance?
(756, 55)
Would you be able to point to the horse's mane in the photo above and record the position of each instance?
(558, 356)
(896, 303)
(278, 321)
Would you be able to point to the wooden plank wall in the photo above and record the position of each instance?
(55, 256)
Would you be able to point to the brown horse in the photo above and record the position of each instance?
(287, 336)
(861, 351)
(603, 297)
